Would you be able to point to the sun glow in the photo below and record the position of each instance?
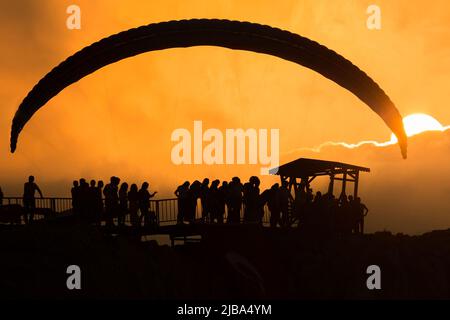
(419, 122)
(414, 124)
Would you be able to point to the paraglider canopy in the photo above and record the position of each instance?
(210, 32)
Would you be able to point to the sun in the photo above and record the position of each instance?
(417, 123)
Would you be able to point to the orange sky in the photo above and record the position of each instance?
(119, 119)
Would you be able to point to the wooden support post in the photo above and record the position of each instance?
(295, 184)
(331, 185)
(355, 191)
(291, 183)
(344, 182)
(304, 184)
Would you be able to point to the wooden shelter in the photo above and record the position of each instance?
(301, 172)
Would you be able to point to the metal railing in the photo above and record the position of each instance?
(57, 205)
(166, 210)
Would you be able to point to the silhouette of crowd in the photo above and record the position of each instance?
(328, 214)
(244, 202)
(120, 201)
(231, 202)
(216, 199)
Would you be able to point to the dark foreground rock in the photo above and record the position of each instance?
(249, 263)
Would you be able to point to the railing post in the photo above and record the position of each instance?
(53, 204)
(157, 212)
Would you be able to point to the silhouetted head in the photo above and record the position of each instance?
(284, 184)
(92, 183)
(350, 198)
(100, 184)
(31, 179)
(124, 186)
(145, 186)
(236, 180)
(186, 184)
(225, 183)
(75, 183)
(205, 182)
(134, 188)
(82, 182)
(255, 181)
(275, 186)
(215, 183)
(195, 185)
(116, 181)
(111, 180)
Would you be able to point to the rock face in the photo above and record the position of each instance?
(250, 263)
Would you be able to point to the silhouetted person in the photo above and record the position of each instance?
(309, 195)
(362, 213)
(273, 204)
(92, 202)
(182, 194)
(352, 215)
(259, 202)
(123, 204)
(193, 194)
(75, 191)
(84, 200)
(144, 205)
(29, 200)
(235, 194)
(111, 200)
(285, 198)
(214, 202)
(99, 203)
(308, 216)
(254, 212)
(264, 198)
(328, 214)
(322, 214)
(223, 201)
(300, 203)
(204, 191)
(133, 199)
(245, 200)
(344, 215)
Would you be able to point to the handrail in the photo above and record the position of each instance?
(166, 210)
